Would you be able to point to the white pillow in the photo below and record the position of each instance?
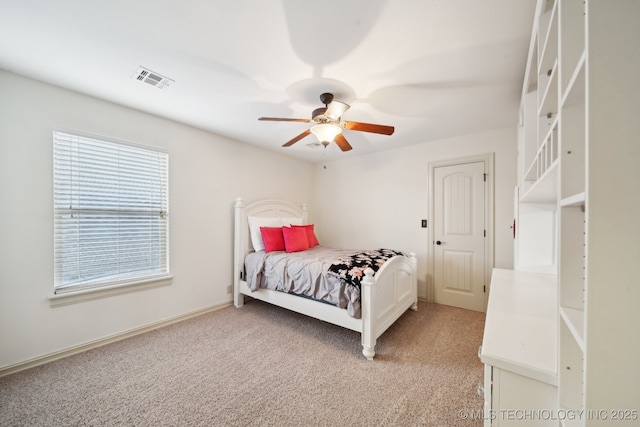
(255, 222)
(286, 222)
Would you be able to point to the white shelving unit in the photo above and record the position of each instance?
(578, 201)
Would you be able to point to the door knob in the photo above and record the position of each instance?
(438, 242)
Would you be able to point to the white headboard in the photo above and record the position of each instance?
(264, 208)
(273, 208)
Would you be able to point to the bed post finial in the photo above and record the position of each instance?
(239, 203)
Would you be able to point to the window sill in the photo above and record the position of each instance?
(57, 300)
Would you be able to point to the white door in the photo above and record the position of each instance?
(459, 235)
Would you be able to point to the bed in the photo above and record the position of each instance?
(384, 294)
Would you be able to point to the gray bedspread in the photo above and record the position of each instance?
(303, 273)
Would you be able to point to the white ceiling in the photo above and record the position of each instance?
(431, 68)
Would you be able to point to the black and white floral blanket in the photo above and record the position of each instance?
(351, 268)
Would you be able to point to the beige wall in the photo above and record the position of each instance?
(207, 173)
(378, 200)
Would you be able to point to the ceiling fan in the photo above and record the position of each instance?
(328, 124)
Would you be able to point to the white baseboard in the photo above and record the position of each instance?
(11, 369)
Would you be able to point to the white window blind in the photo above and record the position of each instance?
(111, 213)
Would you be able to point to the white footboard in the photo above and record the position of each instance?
(385, 297)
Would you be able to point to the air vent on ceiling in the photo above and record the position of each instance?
(152, 78)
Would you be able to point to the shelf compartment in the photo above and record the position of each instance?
(574, 92)
(541, 178)
(573, 142)
(546, 155)
(548, 36)
(536, 238)
(574, 320)
(570, 371)
(572, 39)
(545, 188)
(574, 200)
(530, 131)
(548, 102)
(531, 73)
(548, 110)
(573, 254)
(548, 152)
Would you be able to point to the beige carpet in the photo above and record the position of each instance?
(262, 365)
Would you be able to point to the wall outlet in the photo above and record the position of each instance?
(229, 289)
(423, 223)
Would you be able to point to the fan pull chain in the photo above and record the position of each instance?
(324, 155)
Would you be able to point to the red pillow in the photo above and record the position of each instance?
(311, 235)
(295, 239)
(273, 238)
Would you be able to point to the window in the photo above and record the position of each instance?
(111, 212)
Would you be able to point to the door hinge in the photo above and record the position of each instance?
(484, 289)
(485, 233)
(485, 177)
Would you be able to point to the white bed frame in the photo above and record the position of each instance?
(384, 296)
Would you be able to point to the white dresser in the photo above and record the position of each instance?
(519, 350)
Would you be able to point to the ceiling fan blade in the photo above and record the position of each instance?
(297, 138)
(279, 119)
(342, 142)
(368, 127)
(336, 109)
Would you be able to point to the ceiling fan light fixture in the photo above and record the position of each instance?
(328, 125)
(325, 132)
(336, 109)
